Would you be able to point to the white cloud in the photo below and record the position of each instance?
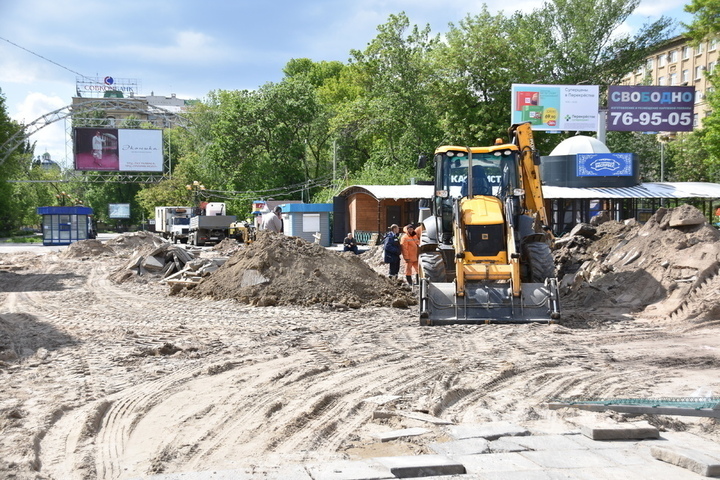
(50, 138)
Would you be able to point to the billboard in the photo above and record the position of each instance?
(556, 107)
(119, 210)
(650, 109)
(118, 150)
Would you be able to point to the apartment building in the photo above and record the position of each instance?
(678, 63)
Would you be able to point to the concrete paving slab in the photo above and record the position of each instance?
(421, 465)
(488, 431)
(625, 456)
(586, 442)
(406, 432)
(546, 442)
(496, 462)
(502, 445)
(424, 417)
(467, 446)
(659, 471)
(694, 460)
(568, 459)
(620, 431)
(349, 470)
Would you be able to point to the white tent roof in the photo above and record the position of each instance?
(580, 144)
(644, 190)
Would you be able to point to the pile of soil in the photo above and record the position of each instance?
(281, 270)
(667, 268)
(122, 246)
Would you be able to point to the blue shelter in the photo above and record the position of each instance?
(65, 225)
(306, 220)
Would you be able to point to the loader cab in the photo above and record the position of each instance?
(484, 171)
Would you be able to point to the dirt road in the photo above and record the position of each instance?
(107, 381)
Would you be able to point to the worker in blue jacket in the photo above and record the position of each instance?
(391, 247)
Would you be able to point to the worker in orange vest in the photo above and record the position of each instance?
(409, 246)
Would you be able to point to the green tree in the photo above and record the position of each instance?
(392, 119)
(562, 42)
(704, 143)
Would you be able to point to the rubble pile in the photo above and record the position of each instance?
(667, 268)
(281, 270)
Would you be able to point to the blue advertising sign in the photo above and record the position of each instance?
(648, 108)
(604, 164)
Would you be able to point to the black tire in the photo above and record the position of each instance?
(539, 261)
(432, 266)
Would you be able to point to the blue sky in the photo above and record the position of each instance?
(190, 48)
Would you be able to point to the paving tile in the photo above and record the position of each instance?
(696, 461)
(488, 431)
(496, 462)
(504, 445)
(568, 459)
(406, 432)
(620, 431)
(349, 470)
(421, 465)
(468, 446)
(546, 442)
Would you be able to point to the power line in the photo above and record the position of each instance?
(46, 59)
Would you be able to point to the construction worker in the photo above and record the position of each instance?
(391, 248)
(409, 245)
(273, 221)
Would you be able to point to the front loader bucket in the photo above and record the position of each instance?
(488, 302)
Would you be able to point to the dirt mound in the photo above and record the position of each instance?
(668, 268)
(281, 270)
(87, 248)
(135, 240)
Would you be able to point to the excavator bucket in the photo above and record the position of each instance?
(488, 302)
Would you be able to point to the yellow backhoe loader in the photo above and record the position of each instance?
(484, 256)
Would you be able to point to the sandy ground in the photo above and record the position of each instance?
(119, 380)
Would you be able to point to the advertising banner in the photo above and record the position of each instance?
(118, 150)
(650, 109)
(556, 107)
(604, 164)
(119, 210)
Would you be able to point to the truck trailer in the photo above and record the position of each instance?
(211, 228)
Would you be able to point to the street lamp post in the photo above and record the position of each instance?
(196, 188)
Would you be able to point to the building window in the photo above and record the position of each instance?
(695, 120)
(650, 64)
(712, 45)
(673, 79)
(698, 72)
(698, 97)
(686, 52)
(661, 60)
(700, 48)
(686, 75)
(661, 81)
(673, 56)
(711, 66)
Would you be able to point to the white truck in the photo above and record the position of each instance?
(173, 223)
(212, 227)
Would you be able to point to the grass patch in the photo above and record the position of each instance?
(24, 239)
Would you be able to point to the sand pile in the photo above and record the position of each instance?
(87, 248)
(666, 268)
(280, 270)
